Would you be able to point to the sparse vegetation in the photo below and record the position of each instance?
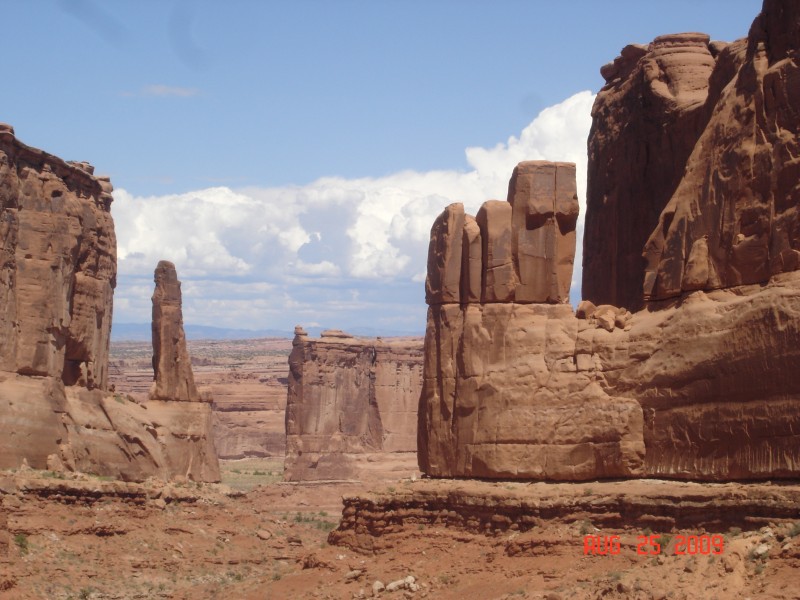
(311, 519)
(21, 540)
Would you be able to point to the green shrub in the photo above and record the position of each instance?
(21, 540)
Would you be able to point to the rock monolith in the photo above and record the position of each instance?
(351, 410)
(57, 275)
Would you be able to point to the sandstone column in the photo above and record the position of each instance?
(173, 377)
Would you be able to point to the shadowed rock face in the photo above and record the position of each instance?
(693, 168)
(57, 274)
(351, 408)
(646, 122)
(173, 377)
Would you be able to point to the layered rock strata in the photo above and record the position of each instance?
(351, 408)
(374, 522)
(701, 384)
(57, 275)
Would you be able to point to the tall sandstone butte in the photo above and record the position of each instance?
(351, 409)
(57, 276)
(502, 395)
(701, 180)
(173, 378)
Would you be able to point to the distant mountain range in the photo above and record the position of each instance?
(140, 332)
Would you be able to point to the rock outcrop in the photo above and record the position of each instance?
(693, 159)
(173, 376)
(58, 266)
(57, 275)
(502, 395)
(351, 408)
(698, 387)
(694, 144)
(646, 122)
(516, 251)
(181, 416)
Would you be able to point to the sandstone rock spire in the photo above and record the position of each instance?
(173, 376)
(519, 250)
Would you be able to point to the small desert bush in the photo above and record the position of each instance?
(21, 540)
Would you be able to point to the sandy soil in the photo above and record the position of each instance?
(189, 541)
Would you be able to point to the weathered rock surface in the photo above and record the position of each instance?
(182, 418)
(646, 122)
(521, 250)
(351, 408)
(693, 159)
(702, 387)
(173, 379)
(58, 266)
(57, 274)
(734, 219)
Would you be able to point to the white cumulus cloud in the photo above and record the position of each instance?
(342, 252)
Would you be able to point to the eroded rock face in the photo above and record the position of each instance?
(509, 393)
(58, 265)
(646, 122)
(173, 377)
(351, 409)
(693, 169)
(734, 219)
(57, 274)
(694, 144)
(521, 250)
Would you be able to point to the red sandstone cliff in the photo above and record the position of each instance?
(693, 161)
(57, 275)
(351, 408)
(693, 164)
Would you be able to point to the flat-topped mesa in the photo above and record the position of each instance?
(173, 376)
(351, 408)
(521, 250)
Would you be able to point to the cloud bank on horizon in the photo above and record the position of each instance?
(345, 253)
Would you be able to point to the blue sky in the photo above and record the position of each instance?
(289, 156)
